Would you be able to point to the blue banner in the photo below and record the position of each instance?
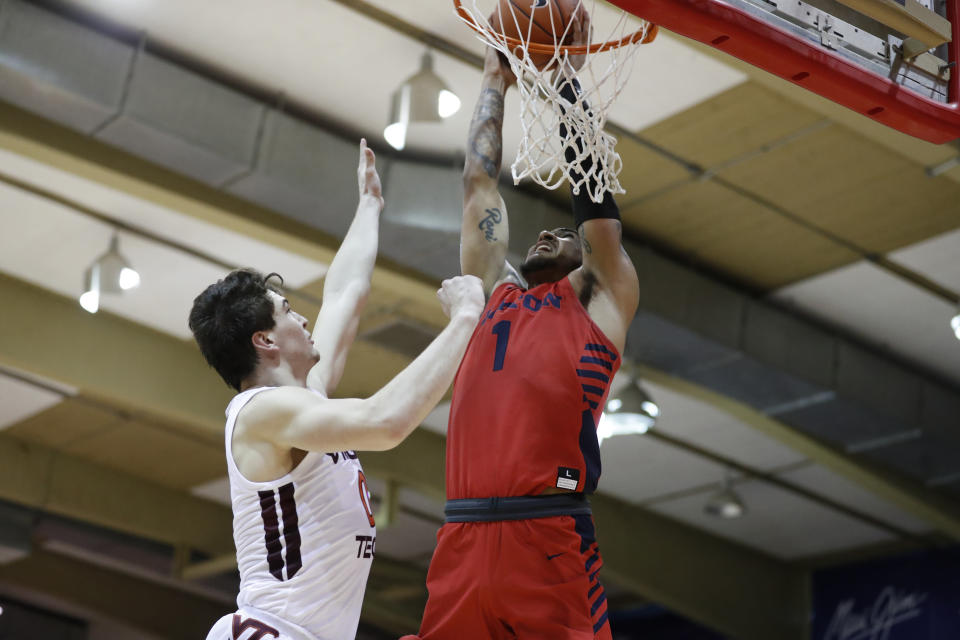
(914, 597)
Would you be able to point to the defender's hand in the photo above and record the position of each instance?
(462, 295)
(367, 175)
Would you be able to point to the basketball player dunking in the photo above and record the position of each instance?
(302, 522)
(517, 557)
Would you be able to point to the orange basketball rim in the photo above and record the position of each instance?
(643, 35)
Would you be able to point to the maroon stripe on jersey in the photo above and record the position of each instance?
(271, 529)
(260, 629)
(291, 530)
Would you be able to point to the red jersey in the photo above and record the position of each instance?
(528, 396)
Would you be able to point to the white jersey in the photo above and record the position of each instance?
(305, 541)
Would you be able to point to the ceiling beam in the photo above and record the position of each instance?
(731, 588)
(723, 585)
(108, 357)
(911, 497)
(41, 140)
(149, 373)
(160, 610)
(771, 477)
(50, 481)
(49, 143)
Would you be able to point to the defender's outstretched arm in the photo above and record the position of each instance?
(604, 258)
(347, 283)
(294, 417)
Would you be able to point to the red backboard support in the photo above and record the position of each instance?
(813, 67)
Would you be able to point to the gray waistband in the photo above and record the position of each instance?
(516, 507)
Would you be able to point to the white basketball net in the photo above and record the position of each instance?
(541, 155)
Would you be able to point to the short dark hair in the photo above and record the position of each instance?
(224, 317)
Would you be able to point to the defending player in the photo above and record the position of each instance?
(517, 557)
(302, 522)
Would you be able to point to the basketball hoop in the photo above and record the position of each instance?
(542, 68)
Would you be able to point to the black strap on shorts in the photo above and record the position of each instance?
(516, 507)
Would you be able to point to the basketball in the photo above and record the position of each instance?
(549, 19)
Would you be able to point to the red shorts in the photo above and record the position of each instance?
(523, 579)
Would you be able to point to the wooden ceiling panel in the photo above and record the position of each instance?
(854, 188)
(736, 122)
(645, 171)
(734, 235)
(70, 421)
(154, 453)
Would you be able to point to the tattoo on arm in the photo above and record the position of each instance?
(583, 240)
(486, 139)
(490, 221)
(588, 249)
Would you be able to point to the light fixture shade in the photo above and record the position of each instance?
(725, 503)
(633, 399)
(395, 133)
(116, 274)
(448, 103)
(90, 298)
(631, 411)
(110, 273)
(955, 325)
(423, 97)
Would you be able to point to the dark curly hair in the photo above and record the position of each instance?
(226, 315)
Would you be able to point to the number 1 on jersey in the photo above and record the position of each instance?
(502, 331)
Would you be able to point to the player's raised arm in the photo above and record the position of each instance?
(298, 418)
(347, 283)
(484, 232)
(604, 259)
(603, 254)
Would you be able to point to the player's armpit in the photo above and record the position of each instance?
(605, 258)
